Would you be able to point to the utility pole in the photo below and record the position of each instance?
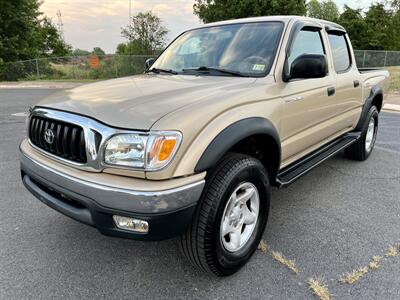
(130, 12)
(130, 7)
(130, 25)
(60, 25)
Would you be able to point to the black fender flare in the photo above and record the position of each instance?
(375, 91)
(233, 134)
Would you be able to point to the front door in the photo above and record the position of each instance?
(308, 104)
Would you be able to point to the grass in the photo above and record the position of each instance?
(289, 263)
(375, 263)
(394, 85)
(353, 276)
(263, 246)
(393, 251)
(319, 288)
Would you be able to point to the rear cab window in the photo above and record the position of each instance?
(340, 52)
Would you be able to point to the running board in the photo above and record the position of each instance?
(292, 172)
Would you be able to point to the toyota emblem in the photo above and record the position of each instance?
(49, 136)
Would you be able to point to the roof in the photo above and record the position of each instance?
(285, 19)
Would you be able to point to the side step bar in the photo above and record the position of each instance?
(292, 172)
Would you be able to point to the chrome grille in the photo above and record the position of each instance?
(68, 139)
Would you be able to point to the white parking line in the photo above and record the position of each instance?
(394, 107)
(20, 114)
(387, 150)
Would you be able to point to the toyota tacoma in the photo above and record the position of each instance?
(192, 147)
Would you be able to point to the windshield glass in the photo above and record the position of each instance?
(247, 49)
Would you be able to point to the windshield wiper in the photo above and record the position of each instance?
(211, 69)
(158, 71)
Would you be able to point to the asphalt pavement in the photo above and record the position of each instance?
(330, 222)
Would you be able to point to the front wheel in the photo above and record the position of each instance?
(230, 218)
(361, 149)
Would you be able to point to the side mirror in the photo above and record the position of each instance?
(149, 62)
(309, 66)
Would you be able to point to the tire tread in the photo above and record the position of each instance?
(195, 244)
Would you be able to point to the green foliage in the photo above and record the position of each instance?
(49, 41)
(76, 68)
(377, 29)
(353, 21)
(381, 34)
(80, 52)
(132, 48)
(217, 10)
(374, 29)
(325, 10)
(98, 51)
(146, 35)
(26, 34)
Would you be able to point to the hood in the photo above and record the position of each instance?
(137, 102)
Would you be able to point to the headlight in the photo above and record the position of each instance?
(142, 151)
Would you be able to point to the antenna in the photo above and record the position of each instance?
(60, 25)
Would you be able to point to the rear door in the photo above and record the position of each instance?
(347, 78)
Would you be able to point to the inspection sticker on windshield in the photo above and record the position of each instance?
(258, 67)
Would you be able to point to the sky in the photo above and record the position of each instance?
(98, 23)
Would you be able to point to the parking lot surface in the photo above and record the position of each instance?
(331, 221)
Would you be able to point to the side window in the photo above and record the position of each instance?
(306, 42)
(340, 52)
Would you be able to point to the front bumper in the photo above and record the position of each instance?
(168, 212)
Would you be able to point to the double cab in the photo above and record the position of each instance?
(192, 147)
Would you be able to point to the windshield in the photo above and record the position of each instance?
(246, 49)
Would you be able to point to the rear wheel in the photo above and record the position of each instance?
(361, 149)
(230, 218)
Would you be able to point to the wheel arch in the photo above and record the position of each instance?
(255, 136)
(375, 98)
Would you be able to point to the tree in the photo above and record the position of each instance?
(98, 51)
(80, 52)
(121, 49)
(217, 10)
(395, 4)
(325, 10)
(146, 34)
(50, 40)
(353, 21)
(379, 28)
(26, 34)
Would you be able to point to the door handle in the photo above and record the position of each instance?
(356, 83)
(331, 91)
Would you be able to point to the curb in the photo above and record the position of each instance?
(391, 107)
(47, 85)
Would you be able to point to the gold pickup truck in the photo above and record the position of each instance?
(193, 146)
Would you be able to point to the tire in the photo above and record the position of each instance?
(203, 243)
(360, 149)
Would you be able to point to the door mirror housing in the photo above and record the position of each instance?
(309, 66)
(149, 62)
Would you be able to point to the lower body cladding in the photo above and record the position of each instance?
(113, 211)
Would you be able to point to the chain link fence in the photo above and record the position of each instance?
(377, 58)
(75, 67)
(113, 66)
